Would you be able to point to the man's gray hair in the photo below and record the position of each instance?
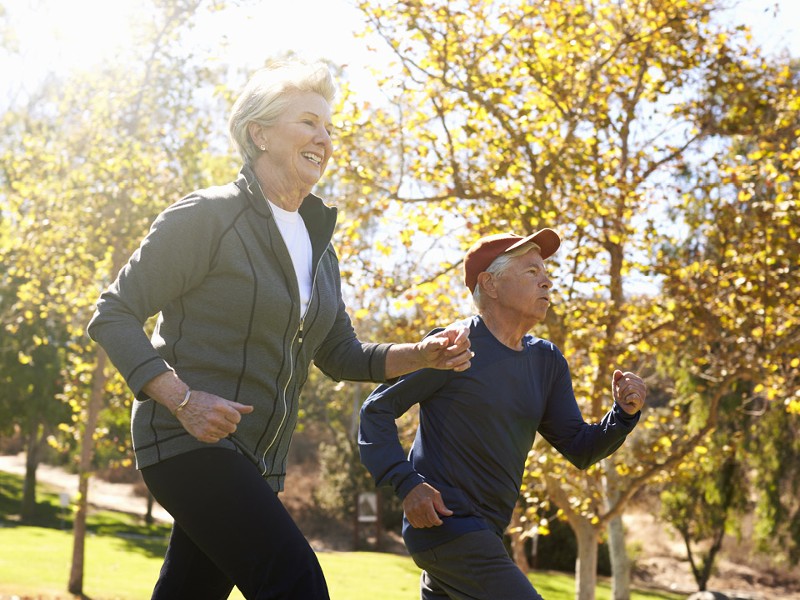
(268, 93)
(499, 265)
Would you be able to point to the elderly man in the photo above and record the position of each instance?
(462, 477)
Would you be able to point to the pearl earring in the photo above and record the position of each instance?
(263, 147)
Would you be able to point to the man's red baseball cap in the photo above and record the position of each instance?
(485, 250)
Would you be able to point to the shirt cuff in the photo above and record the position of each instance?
(627, 420)
(408, 484)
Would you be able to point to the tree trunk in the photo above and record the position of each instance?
(148, 515)
(620, 562)
(515, 532)
(75, 585)
(586, 565)
(28, 508)
(586, 536)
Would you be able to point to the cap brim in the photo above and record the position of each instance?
(546, 239)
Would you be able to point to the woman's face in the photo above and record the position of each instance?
(298, 144)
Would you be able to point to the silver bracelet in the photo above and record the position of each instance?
(185, 401)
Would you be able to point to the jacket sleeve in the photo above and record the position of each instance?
(171, 259)
(563, 426)
(378, 442)
(343, 357)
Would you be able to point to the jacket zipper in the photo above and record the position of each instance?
(298, 335)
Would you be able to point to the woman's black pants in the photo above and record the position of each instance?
(230, 529)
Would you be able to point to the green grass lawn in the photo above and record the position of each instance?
(123, 558)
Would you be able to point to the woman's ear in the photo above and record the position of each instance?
(257, 134)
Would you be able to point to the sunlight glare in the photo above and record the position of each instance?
(57, 36)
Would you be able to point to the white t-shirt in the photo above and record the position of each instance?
(295, 236)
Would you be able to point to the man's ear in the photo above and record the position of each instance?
(486, 281)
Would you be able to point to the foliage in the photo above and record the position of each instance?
(32, 350)
(79, 207)
(773, 455)
(656, 139)
(702, 502)
(582, 116)
(331, 409)
(343, 475)
(82, 180)
(739, 253)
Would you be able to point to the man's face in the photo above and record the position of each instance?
(523, 288)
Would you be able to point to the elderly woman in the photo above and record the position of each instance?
(248, 289)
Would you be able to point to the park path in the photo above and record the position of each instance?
(102, 494)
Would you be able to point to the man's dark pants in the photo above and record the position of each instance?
(474, 566)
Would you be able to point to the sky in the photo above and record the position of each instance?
(57, 35)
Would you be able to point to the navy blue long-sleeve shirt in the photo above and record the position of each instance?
(476, 428)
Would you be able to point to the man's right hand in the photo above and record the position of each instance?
(423, 505)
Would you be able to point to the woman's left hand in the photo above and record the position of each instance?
(447, 349)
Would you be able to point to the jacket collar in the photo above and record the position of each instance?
(320, 219)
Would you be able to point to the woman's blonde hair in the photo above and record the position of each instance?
(268, 93)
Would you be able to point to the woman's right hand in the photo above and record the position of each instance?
(210, 418)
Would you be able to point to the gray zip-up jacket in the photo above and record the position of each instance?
(215, 267)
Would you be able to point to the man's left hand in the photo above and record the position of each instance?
(629, 391)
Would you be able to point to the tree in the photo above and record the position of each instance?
(513, 116)
(701, 510)
(706, 494)
(31, 357)
(85, 172)
(738, 253)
